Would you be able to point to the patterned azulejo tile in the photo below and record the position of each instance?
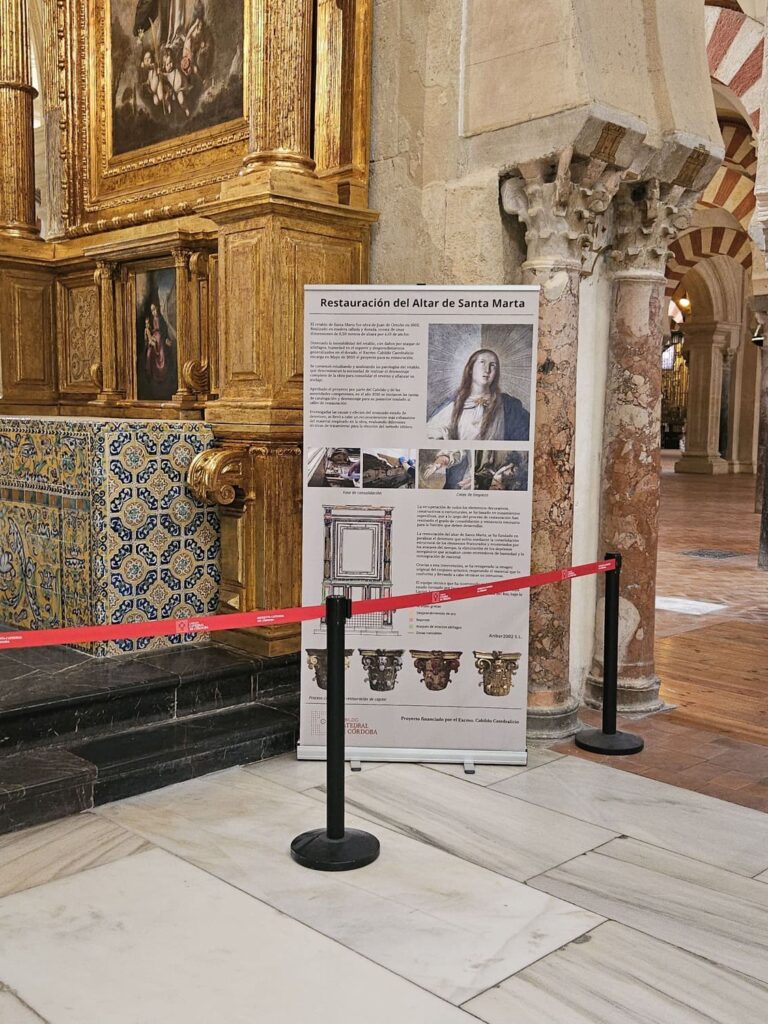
(97, 525)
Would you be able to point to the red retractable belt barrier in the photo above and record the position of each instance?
(249, 620)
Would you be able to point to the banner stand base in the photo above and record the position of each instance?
(317, 850)
(415, 755)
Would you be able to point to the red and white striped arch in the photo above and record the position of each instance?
(700, 244)
(733, 186)
(735, 54)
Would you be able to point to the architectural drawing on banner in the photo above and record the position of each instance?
(382, 667)
(389, 467)
(317, 660)
(497, 670)
(501, 470)
(445, 469)
(478, 382)
(436, 667)
(333, 467)
(357, 559)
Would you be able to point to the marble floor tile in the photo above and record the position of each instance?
(152, 939)
(13, 1011)
(698, 826)
(616, 975)
(700, 908)
(451, 927)
(38, 855)
(287, 770)
(487, 828)
(488, 774)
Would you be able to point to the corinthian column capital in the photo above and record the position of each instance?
(649, 216)
(561, 205)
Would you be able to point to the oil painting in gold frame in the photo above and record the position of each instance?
(197, 133)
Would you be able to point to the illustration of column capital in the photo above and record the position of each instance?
(436, 667)
(649, 216)
(562, 207)
(382, 667)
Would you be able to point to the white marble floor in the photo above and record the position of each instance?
(564, 893)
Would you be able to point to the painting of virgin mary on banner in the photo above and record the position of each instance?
(177, 68)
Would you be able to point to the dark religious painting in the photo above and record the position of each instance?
(177, 68)
(157, 376)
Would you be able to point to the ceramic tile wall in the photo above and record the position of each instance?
(97, 525)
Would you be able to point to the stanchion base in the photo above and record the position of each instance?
(315, 850)
(615, 744)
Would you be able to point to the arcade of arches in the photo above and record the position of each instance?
(174, 176)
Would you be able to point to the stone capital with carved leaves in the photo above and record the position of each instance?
(562, 204)
(649, 216)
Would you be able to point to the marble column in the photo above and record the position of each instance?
(281, 86)
(647, 221)
(708, 345)
(762, 441)
(556, 215)
(17, 178)
(762, 557)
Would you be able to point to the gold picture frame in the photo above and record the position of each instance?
(184, 167)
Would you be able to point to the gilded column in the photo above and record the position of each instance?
(557, 215)
(106, 373)
(185, 394)
(646, 224)
(17, 161)
(281, 86)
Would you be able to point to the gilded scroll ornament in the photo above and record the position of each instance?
(217, 474)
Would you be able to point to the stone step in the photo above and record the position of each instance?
(150, 757)
(49, 695)
(46, 783)
(41, 785)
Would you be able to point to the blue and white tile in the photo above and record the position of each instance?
(700, 908)
(451, 927)
(689, 823)
(494, 831)
(615, 974)
(152, 939)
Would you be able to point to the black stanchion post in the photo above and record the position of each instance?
(608, 740)
(335, 848)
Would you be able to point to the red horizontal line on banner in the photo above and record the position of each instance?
(283, 616)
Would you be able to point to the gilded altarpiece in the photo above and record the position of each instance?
(152, 105)
(206, 160)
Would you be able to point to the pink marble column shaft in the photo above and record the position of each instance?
(630, 485)
(552, 708)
